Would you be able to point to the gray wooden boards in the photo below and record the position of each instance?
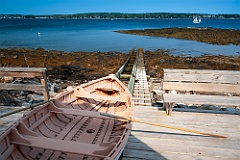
(25, 72)
(157, 143)
(196, 86)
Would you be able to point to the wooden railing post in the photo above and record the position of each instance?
(44, 83)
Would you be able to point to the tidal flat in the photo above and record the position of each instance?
(207, 35)
(85, 66)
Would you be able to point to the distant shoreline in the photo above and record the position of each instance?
(116, 15)
(207, 35)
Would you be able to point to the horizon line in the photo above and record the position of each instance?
(117, 12)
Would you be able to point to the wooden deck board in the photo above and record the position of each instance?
(151, 142)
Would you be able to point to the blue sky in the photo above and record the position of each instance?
(39, 7)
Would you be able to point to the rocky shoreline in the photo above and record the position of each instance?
(207, 35)
(73, 68)
(158, 60)
(63, 69)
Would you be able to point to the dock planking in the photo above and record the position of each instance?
(151, 142)
(141, 94)
(158, 143)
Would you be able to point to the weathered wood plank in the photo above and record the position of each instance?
(22, 69)
(44, 83)
(143, 98)
(25, 87)
(204, 142)
(212, 76)
(22, 72)
(142, 104)
(202, 99)
(185, 149)
(202, 71)
(146, 141)
(202, 87)
(142, 94)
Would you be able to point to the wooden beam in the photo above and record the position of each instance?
(20, 87)
(44, 83)
(202, 99)
(194, 75)
(22, 72)
(202, 87)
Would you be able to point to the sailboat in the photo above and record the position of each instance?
(197, 20)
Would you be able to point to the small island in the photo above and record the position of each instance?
(207, 35)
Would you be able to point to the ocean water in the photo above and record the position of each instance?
(98, 35)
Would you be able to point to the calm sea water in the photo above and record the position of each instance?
(99, 35)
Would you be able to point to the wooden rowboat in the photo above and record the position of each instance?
(107, 94)
(75, 128)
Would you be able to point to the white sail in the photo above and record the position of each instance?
(197, 20)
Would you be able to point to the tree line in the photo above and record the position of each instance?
(123, 16)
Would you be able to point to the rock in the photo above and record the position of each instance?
(52, 87)
(159, 102)
(157, 95)
(69, 88)
(223, 109)
(162, 60)
(25, 104)
(7, 79)
(208, 107)
(52, 94)
(40, 49)
(181, 106)
(193, 107)
(35, 97)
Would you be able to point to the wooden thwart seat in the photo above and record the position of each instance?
(81, 93)
(61, 109)
(216, 87)
(60, 145)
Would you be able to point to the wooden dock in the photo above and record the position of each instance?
(158, 143)
(141, 94)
